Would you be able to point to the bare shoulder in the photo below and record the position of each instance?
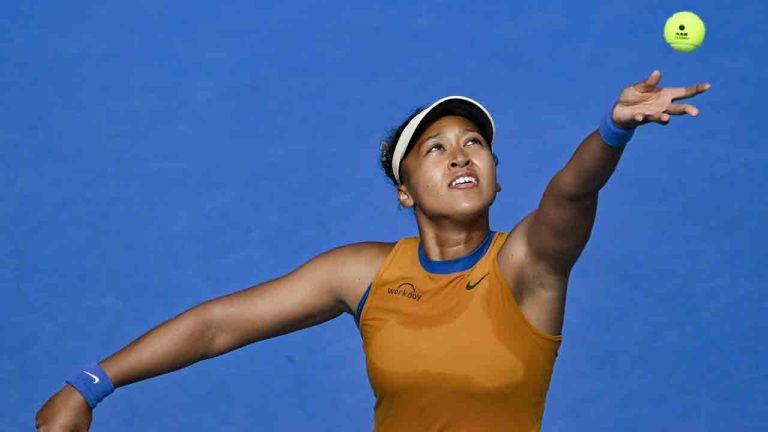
(520, 267)
(513, 255)
(538, 291)
(355, 265)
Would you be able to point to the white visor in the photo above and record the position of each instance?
(451, 105)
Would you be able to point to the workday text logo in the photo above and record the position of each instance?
(406, 290)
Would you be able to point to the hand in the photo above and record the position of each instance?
(66, 411)
(643, 102)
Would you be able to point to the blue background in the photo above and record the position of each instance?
(157, 154)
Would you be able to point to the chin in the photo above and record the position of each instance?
(471, 209)
(476, 204)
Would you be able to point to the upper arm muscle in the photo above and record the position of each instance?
(315, 292)
(560, 228)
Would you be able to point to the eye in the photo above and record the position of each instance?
(434, 146)
(475, 140)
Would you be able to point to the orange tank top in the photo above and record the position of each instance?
(448, 349)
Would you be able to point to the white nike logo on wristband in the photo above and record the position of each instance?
(95, 378)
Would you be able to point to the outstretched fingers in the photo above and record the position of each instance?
(688, 92)
(662, 118)
(680, 109)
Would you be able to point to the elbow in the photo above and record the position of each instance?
(203, 320)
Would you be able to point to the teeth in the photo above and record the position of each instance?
(462, 180)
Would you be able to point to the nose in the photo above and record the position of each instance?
(460, 160)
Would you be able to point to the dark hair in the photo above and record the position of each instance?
(387, 147)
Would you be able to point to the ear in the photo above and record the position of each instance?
(404, 197)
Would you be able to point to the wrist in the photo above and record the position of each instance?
(92, 383)
(612, 134)
(73, 396)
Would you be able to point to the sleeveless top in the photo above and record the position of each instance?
(448, 349)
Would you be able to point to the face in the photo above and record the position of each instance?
(449, 148)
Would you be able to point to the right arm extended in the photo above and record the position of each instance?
(313, 293)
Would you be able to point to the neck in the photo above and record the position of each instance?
(450, 238)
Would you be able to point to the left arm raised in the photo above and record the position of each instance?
(561, 226)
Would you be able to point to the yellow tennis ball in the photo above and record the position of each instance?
(684, 31)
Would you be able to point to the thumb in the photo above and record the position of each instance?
(650, 83)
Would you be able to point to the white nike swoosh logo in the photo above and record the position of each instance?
(95, 378)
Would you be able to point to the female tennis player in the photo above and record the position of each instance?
(460, 325)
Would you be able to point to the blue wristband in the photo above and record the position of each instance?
(613, 135)
(93, 383)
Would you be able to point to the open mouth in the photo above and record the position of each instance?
(464, 182)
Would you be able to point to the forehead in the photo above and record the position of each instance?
(446, 124)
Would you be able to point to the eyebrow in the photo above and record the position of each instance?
(434, 135)
(437, 134)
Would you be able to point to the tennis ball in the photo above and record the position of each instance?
(684, 31)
